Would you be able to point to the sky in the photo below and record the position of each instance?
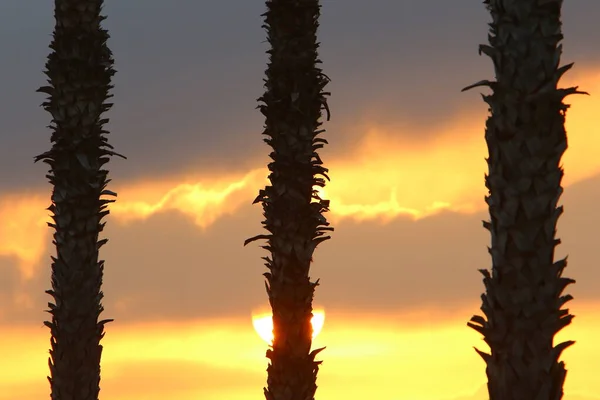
(398, 279)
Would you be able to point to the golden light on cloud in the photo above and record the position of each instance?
(583, 126)
(387, 175)
(383, 177)
(204, 200)
(23, 232)
(25, 235)
(263, 325)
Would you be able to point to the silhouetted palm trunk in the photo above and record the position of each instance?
(292, 106)
(79, 69)
(526, 139)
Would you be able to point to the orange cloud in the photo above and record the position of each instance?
(383, 177)
(23, 231)
(25, 235)
(387, 176)
(202, 199)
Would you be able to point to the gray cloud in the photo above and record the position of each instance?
(167, 268)
(189, 74)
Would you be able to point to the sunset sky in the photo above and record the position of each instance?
(398, 279)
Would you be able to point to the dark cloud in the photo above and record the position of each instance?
(188, 76)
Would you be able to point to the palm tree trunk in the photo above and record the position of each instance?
(79, 71)
(526, 139)
(292, 106)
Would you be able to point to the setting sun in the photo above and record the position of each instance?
(263, 325)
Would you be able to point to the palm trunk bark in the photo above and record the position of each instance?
(526, 139)
(292, 106)
(79, 71)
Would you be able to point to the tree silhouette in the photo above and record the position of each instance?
(293, 210)
(526, 139)
(79, 71)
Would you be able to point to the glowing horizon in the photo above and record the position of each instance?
(364, 353)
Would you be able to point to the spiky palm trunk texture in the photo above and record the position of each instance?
(292, 106)
(79, 71)
(526, 139)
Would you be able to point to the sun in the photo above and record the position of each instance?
(263, 325)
